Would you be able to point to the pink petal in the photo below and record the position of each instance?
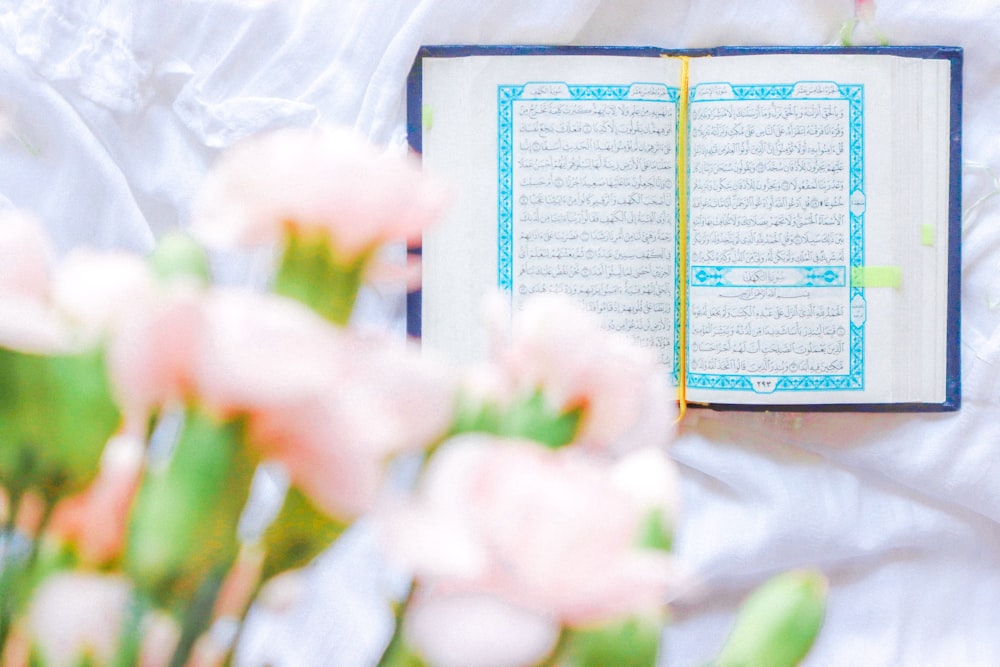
(26, 257)
(477, 631)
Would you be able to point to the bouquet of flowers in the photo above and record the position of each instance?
(140, 403)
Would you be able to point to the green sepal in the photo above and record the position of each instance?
(654, 533)
(184, 518)
(778, 622)
(298, 534)
(309, 273)
(529, 418)
(632, 642)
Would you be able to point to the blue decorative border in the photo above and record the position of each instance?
(854, 378)
(506, 96)
(765, 277)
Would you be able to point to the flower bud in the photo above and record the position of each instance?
(183, 522)
(778, 622)
(179, 256)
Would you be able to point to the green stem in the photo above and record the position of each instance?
(17, 574)
(396, 653)
(8, 571)
(130, 642)
(198, 616)
(555, 657)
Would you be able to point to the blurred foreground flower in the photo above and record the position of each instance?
(862, 28)
(534, 540)
(326, 199)
(556, 376)
(139, 404)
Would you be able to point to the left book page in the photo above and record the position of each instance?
(567, 169)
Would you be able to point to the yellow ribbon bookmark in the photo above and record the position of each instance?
(682, 252)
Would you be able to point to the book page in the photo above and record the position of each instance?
(565, 168)
(799, 293)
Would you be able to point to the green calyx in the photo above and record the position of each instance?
(310, 273)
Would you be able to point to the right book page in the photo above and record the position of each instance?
(817, 229)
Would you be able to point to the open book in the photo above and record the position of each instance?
(781, 224)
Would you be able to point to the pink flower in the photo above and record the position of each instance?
(261, 352)
(329, 406)
(474, 630)
(26, 257)
(548, 535)
(27, 323)
(73, 615)
(380, 399)
(864, 9)
(232, 351)
(60, 308)
(559, 348)
(77, 616)
(151, 354)
(92, 288)
(303, 179)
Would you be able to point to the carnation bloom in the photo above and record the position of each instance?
(548, 535)
(296, 180)
(27, 323)
(379, 399)
(327, 405)
(864, 9)
(560, 349)
(26, 256)
(52, 309)
(475, 630)
(75, 615)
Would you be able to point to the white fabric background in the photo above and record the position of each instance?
(116, 108)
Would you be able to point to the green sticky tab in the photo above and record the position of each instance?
(927, 234)
(427, 116)
(876, 276)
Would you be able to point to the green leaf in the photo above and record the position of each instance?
(183, 522)
(309, 273)
(633, 642)
(778, 623)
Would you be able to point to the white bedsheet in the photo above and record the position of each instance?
(115, 108)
